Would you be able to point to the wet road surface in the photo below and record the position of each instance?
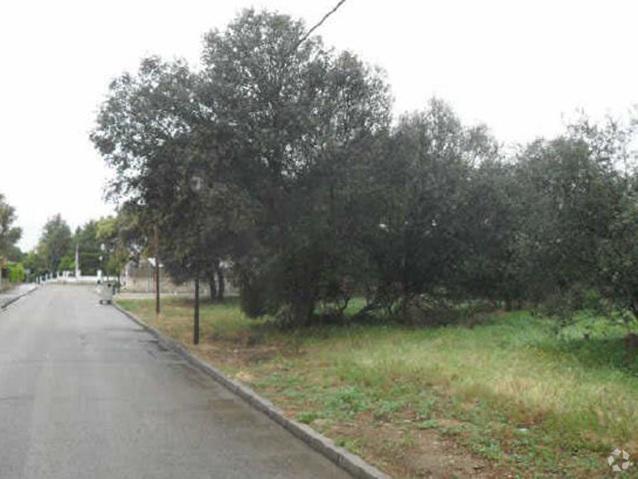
(87, 393)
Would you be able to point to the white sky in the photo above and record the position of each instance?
(516, 65)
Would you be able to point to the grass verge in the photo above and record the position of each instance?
(511, 397)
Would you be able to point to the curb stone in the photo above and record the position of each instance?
(351, 463)
(14, 299)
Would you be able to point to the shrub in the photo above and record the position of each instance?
(16, 273)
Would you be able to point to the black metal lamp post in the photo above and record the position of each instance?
(196, 313)
(197, 184)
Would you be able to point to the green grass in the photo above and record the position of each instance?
(512, 390)
(221, 321)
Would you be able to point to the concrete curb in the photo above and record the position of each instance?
(13, 300)
(351, 463)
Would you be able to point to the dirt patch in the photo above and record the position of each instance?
(436, 457)
(406, 451)
(235, 356)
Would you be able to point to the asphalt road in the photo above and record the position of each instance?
(86, 393)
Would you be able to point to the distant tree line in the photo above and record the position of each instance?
(283, 160)
(99, 244)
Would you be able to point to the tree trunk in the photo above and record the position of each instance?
(302, 310)
(213, 288)
(508, 304)
(221, 284)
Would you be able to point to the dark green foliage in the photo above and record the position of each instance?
(15, 254)
(424, 232)
(254, 294)
(303, 120)
(617, 257)
(34, 264)
(576, 199)
(9, 234)
(56, 243)
(89, 246)
(280, 159)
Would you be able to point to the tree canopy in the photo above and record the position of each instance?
(281, 158)
(56, 244)
(9, 233)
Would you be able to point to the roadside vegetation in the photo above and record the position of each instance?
(511, 394)
(11, 271)
(279, 159)
(500, 284)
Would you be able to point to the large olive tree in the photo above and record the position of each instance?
(301, 119)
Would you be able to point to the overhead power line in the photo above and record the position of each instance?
(321, 22)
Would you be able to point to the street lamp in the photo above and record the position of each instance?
(196, 184)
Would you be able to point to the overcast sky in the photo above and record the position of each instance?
(516, 65)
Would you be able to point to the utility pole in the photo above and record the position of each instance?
(157, 272)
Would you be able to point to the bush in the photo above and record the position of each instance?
(253, 298)
(16, 273)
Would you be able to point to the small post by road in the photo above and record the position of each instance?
(157, 272)
(196, 313)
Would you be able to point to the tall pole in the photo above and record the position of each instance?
(196, 312)
(157, 272)
(196, 185)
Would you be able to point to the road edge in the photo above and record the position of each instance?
(4, 306)
(351, 463)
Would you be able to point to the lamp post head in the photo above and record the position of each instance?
(196, 183)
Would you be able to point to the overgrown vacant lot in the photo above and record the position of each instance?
(514, 396)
